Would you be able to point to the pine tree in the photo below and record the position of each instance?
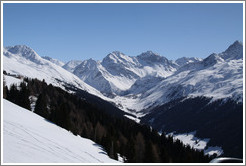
(148, 155)
(41, 106)
(63, 116)
(24, 94)
(5, 88)
(13, 94)
(139, 147)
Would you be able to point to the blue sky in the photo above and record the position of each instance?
(83, 31)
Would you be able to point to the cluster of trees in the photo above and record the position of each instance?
(18, 94)
(117, 135)
(220, 120)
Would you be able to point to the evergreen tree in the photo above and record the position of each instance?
(5, 88)
(13, 94)
(24, 95)
(62, 116)
(41, 106)
(139, 147)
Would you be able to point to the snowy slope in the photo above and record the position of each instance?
(197, 143)
(9, 80)
(55, 61)
(219, 76)
(28, 138)
(24, 61)
(91, 72)
(136, 84)
(70, 66)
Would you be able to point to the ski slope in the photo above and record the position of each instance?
(29, 138)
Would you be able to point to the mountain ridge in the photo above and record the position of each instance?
(123, 79)
(147, 85)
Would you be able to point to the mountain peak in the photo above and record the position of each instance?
(149, 54)
(90, 62)
(117, 53)
(20, 49)
(234, 51)
(25, 51)
(237, 42)
(236, 45)
(151, 58)
(114, 57)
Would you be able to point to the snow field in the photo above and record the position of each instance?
(29, 138)
(197, 143)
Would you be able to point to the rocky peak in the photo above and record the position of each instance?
(234, 51)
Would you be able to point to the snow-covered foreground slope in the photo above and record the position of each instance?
(29, 138)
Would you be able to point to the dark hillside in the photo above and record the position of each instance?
(221, 121)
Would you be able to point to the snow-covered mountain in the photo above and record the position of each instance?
(70, 66)
(219, 76)
(185, 60)
(117, 72)
(24, 61)
(55, 61)
(144, 85)
(29, 138)
(137, 83)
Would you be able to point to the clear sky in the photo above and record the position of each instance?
(83, 31)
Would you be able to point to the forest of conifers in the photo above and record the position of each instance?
(114, 132)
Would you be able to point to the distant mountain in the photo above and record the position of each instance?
(138, 83)
(184, 60)
(55, 61)
(70, 66)
(23, 60)
(117, 72)
(219, 76)
(22, 51)
(235, 51)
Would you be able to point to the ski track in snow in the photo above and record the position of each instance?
(29, 138)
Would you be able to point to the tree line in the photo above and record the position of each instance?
(117, 135)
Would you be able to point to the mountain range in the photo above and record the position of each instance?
(140, 85)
